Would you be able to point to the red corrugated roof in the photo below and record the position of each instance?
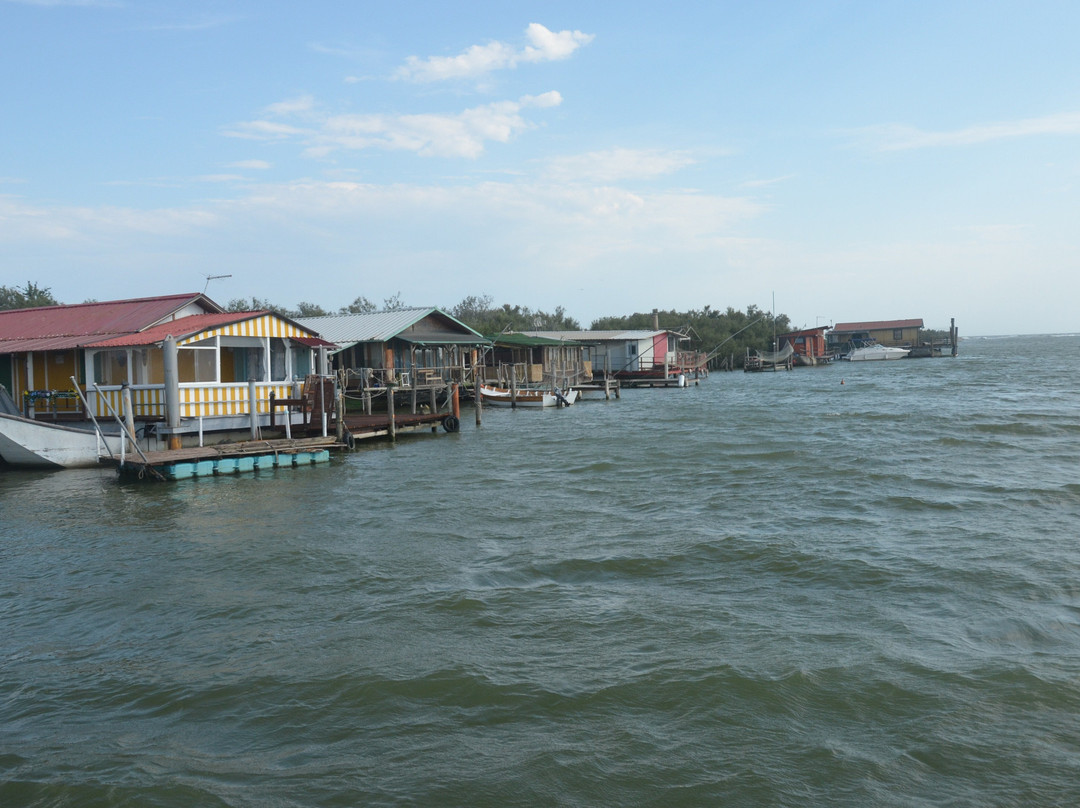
(59, 328)
(877, 325)
(179, 328)
(189, 326)
(819, 330)
(314, 342)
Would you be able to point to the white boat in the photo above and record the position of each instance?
(26, 442)
(528, 397)
(875, 351)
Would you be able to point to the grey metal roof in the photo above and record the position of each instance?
(382, 326)
(595, 336)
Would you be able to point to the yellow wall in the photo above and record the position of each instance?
(885, 336)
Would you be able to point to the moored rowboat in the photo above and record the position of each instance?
(528, 397)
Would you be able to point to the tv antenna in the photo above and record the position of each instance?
(213, 278)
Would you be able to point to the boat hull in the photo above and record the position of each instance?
(36, 444)
(876, 353)
(502, 397)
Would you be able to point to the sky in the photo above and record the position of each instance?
(831, 161)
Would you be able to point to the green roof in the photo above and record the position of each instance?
(526, 341)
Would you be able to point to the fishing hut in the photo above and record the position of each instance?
(408, 360)
(637, 358)
(517, 361)
(809, 346)
(907, 334)
(177, 367)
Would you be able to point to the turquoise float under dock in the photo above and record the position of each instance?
(228, 459)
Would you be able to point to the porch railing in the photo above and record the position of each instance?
(148, 401)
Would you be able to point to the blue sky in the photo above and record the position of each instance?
(854, 160)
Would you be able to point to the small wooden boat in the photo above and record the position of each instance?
(528, 397)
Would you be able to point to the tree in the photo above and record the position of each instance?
(477, 312)
(394, 303)
(359, 306)
(472, 308)
(310, 310)
(30, 296)
(256, 304)
(728, 333)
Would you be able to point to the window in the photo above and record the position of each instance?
(898, 334)
(110, 367)
(197, 364)
(301, 361)
(277, 360)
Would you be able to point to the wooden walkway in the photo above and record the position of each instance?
(377, 425)
(224, 458)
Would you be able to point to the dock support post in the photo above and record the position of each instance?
(253, 410)
(339, 411)
(391, 424)
(129, 415)
(455, 402)
(478, 398)
(513, 388)
(171, 369)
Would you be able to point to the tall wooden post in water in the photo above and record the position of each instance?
(478, 397)
(391, 424)
(129, 413)
(172, 389)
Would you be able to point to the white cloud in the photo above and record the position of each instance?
(265, 130)
(255, 165)
(95, 227)
(292, 106)
(764, 183)
(477, 60)
(464, 134)
(220, 178)
(618, 164)
(899, 137)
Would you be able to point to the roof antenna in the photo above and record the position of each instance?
(213, 278)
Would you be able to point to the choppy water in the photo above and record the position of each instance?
(769, 590)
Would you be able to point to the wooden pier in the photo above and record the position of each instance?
(226, 458)
(608, 386)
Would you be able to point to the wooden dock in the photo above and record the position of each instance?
(377, 425)
(607, 386)
(226, 458)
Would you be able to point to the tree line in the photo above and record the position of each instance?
(726, 335)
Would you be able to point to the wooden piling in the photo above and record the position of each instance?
(478, 397)
(391, 424)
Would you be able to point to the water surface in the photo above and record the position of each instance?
(853, 585)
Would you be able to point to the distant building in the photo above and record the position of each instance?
(897, 333)
(809, 345)
(410, 347)
(534, 360)
(634, 354)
